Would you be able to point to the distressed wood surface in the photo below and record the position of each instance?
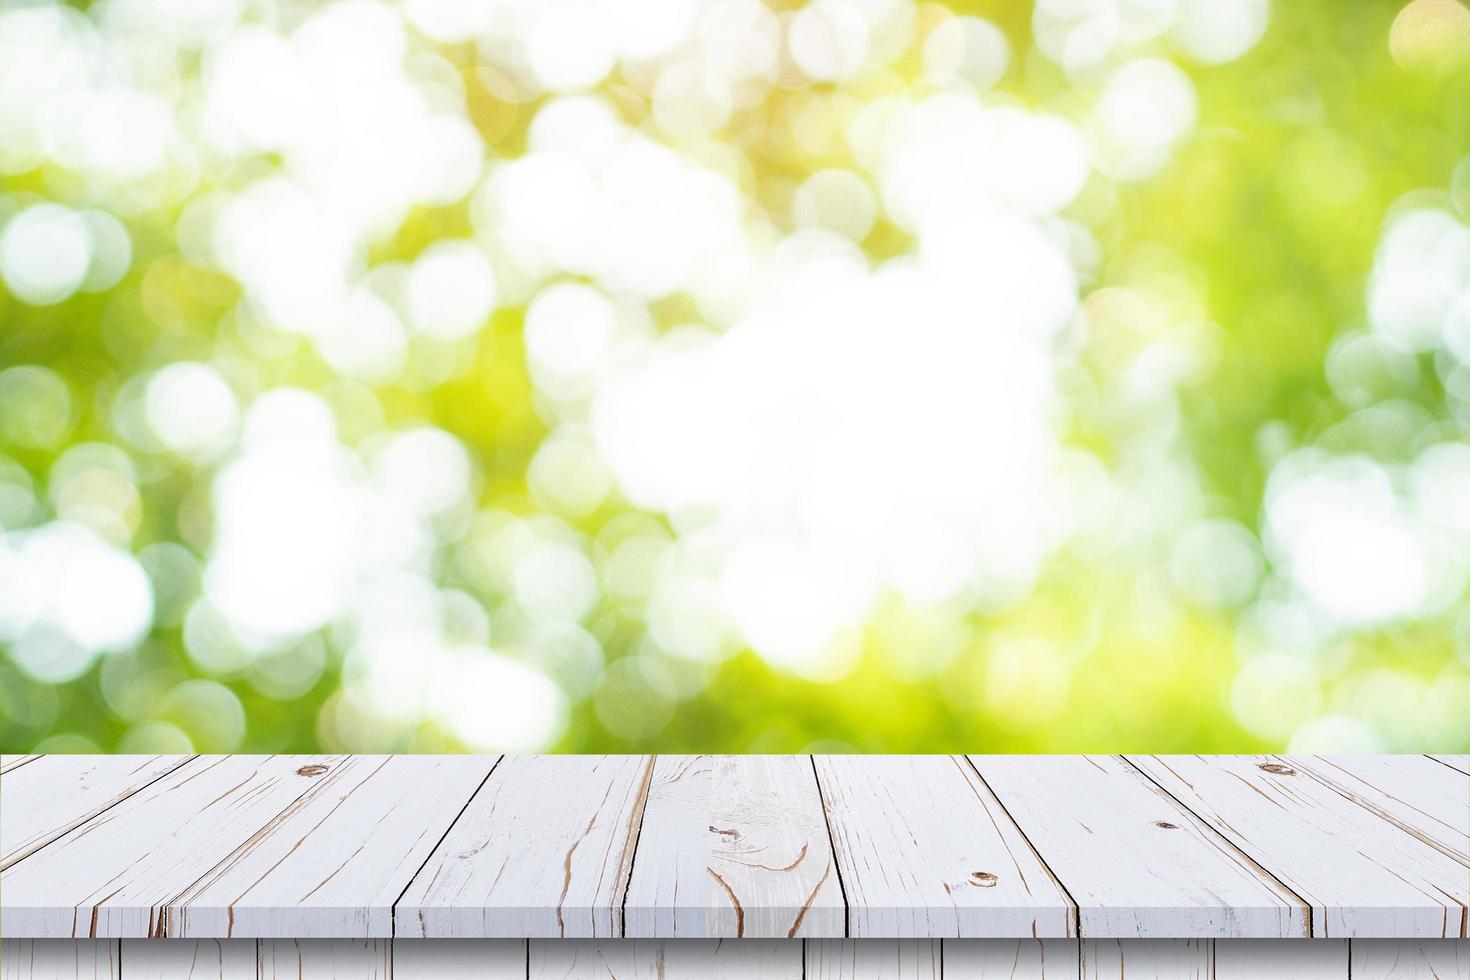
(1011, 959)
(1428, 959)
(1414, 792)
(1261, 959)
(545, 849)
(926, 851)
(113, 875)
(1179, 877)
(55, 793)
(1363, 876)
(866, 959)
(333, 863)
(657, 959)
(920, 847)
(1460, 762)
(324, 959)
(203, 959)
(677, 959)
(58, 959)
(9, 762)
(1147, 959)
(459, 959)
(733, 847)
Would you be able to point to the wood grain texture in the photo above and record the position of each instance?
(1363, 876)
(53, 794)
(1147, 959)
(734, 847)
(1163, 872)
(1319, 959)
(869, 959)
(926, 851)
(325, 959)
(1419, 795)
(1407, 959)
(1011, 959)
(545, 849)
(673, 959)
(459, 959)
(59, 959)
(189, 959)
(1460, 762)
(332, 864)
(113, 875)
(9, 762)
(874, 959)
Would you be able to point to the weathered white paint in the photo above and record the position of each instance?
(1460, 762)
(1147, 959)
(733, 847)
(332, 863)
(9, 762)
(1262, 959)
(873, 959)
(673, 959)
(52, 794)
(866, 959)
(1163, 873)
(1424, 959)
(544, 849)
(926, 851)
(1421, 796)
(459, 959)
(59, 959)
(919, 847)
(325, 959)
(1363, 876)
(113, 875)
(189, 959)
(1011, 959)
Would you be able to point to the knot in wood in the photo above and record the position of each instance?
(983, 878)
(1165, 825)
(311, 770)
(1276, 768)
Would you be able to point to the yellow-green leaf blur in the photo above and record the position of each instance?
(661, 375)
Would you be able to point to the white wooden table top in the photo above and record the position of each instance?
(673, 847)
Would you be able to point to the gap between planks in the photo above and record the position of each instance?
(957, 899)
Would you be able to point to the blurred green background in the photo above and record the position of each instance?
(855, 376)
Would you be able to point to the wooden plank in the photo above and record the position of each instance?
(189, 959)
(332, 864)
(1164, 873)
(1460, 762)
(9, 762)
(1420, 796)
(459, 959)
(325, 959)
(1262, 959)
(1146, 959)
(112, 876)
(1011, 959)
(56, 793)
(674, 959)
(874, 959)
(926, 851)
(733, 847)
(1410, 959)
(543, 850)
(1364, 877)
(59, 959)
